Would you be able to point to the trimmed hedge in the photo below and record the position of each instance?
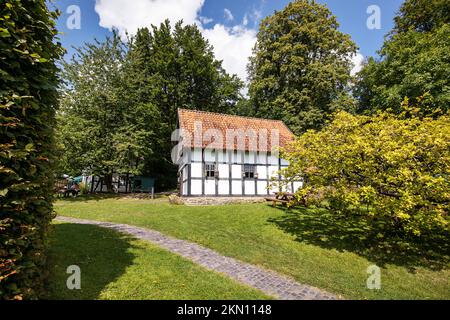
(28, 98)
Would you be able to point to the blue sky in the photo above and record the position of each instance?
(229, 25)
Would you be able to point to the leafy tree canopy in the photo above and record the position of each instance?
(301, 64)
(175, 67)
(180, 71)
(422, 15)
(119, 107)
(415, 60)
(100, 131)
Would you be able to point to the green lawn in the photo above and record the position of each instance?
(116, 266)
(311, 246)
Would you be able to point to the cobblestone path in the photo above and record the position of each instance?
(269, 282)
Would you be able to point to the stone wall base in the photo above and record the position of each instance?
(217, 201)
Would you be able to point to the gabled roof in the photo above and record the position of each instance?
(224, 124)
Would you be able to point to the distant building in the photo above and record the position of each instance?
(223, 155)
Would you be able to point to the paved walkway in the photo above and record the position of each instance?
(269, 282)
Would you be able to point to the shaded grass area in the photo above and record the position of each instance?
(117, 266)
(305, 244)
(370, 238)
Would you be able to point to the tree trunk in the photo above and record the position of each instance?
(108, 182)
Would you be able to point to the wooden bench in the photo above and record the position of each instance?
(275, 201)
(282, 198)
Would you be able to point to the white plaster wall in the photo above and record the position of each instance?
(262, 158)
(185, 188)
(237, 157)
(223, 156)
(273, 160)
(240, 156)
(210, 187)
(236, 187)
(273, 172)
(249, 157)
(250, 187)
(196, 187)
(262, 172)
(196, 155)
(262, 188)
(210, 155)
(224, 171)
(224, 187)
(236, 171)
(196, 170)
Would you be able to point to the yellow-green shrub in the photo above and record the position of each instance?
(388, 167)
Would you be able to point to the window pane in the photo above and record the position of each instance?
(210, 170)
(249, 171)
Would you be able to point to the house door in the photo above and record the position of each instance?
(211, 179)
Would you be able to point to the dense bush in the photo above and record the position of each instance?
(393, 169)
(27, 118)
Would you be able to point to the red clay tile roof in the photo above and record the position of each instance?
(222, 123)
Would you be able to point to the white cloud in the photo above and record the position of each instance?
(228, 15)
(357, 60)
(126, 16)
(245, 20)
(256, 15)
(205, 20)
(232, 45)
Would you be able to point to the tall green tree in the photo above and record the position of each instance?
(119, 105)
(101, 130)
(28, 99)
(300, 65)
(175, 68)
(415, 61)
(422, 15)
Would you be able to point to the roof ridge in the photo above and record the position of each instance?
(231, 115)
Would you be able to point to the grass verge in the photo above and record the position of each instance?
(303, 244)
(118, 267)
